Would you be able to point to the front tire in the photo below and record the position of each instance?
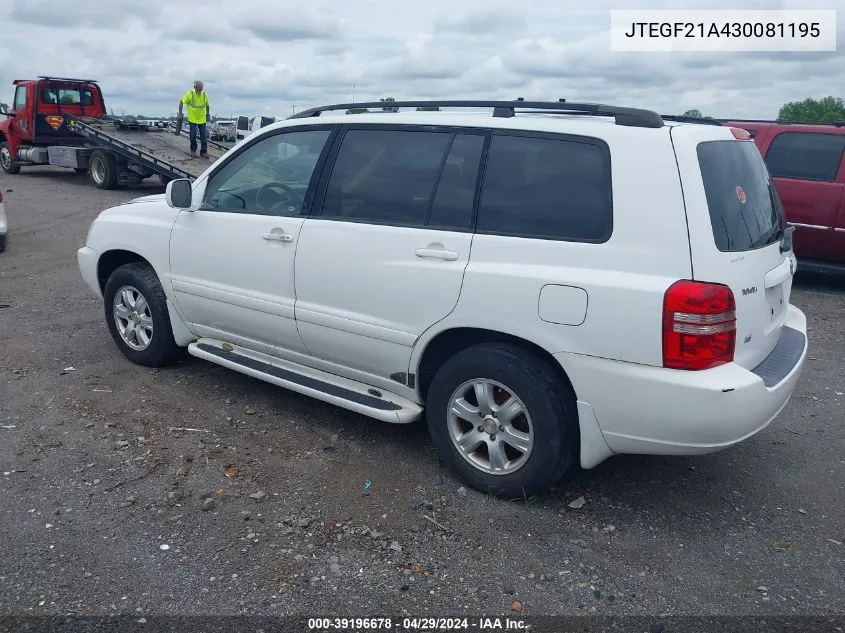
(102, 168)
(503, 420)
(7, 161)
(137, 316)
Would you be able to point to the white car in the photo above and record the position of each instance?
(4, 227)
(549, 283)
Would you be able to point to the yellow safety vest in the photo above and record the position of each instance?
(197, 105)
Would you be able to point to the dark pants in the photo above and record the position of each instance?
(199, 127)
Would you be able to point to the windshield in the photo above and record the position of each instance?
(745, 208)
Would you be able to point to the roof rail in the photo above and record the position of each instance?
(775, 122)
(680, 118)
(82, 81)
(631, 117)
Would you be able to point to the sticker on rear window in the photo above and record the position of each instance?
(740, 194)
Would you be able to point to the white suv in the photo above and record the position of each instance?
(548, 282)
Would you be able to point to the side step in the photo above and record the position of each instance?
(349, 394)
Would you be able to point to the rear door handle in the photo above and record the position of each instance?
(278, 237)
(433, 253)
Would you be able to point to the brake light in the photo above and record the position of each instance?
(1, 197)
(740, 134)
(699, 325)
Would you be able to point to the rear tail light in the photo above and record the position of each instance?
(740, 134)
(699, 325)
(1, 197)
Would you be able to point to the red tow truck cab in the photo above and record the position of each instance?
(61, 121)
(37, 118)
(806, 164)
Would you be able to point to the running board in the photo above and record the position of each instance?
(342, 392)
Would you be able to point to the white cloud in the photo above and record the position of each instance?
(267, 56)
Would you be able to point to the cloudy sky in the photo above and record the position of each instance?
(269, 56)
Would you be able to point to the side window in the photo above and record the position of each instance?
(20, 98)
(547, 188)
(270, 177)
(805, 155)
(385, 176)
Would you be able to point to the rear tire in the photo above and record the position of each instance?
(7, 162)
(103, 170)
(137, 317)
(535, 448)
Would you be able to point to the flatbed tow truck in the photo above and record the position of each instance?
(62, 121)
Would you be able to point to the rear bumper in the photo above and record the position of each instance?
(87, 260)
(651, 410)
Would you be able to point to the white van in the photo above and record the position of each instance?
(247, 127)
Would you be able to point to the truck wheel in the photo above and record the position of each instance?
(137, 316)
(503, 420)
(6, 161)
(103, 170)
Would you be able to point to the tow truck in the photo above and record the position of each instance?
(63, 121)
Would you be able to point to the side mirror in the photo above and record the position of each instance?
(179, 193)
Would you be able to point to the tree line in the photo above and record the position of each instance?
(824, 110)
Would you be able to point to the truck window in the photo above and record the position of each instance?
(805, 155)
(67, 96)
(20, 98)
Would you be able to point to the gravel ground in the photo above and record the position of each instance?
(196, 490)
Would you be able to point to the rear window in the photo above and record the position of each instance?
(67, 96)
(745, 208)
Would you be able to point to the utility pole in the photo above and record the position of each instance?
(353, 93)
(293, 109)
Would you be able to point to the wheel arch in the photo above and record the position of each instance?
(444, 344)
(113, 259)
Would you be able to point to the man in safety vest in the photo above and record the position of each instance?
(199, 111)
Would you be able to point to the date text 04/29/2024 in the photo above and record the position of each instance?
(419, 625)
(723, 31)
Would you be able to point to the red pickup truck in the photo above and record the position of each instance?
(805, 161)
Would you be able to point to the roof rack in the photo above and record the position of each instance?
(82, 81)
(680, 118)
(774, 122)
(632, 117)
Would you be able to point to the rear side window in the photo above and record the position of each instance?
(745, 209)
(548, 188)
(406, 178)
(805, 155)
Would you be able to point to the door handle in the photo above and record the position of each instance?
(278, 237)
(432, 253)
